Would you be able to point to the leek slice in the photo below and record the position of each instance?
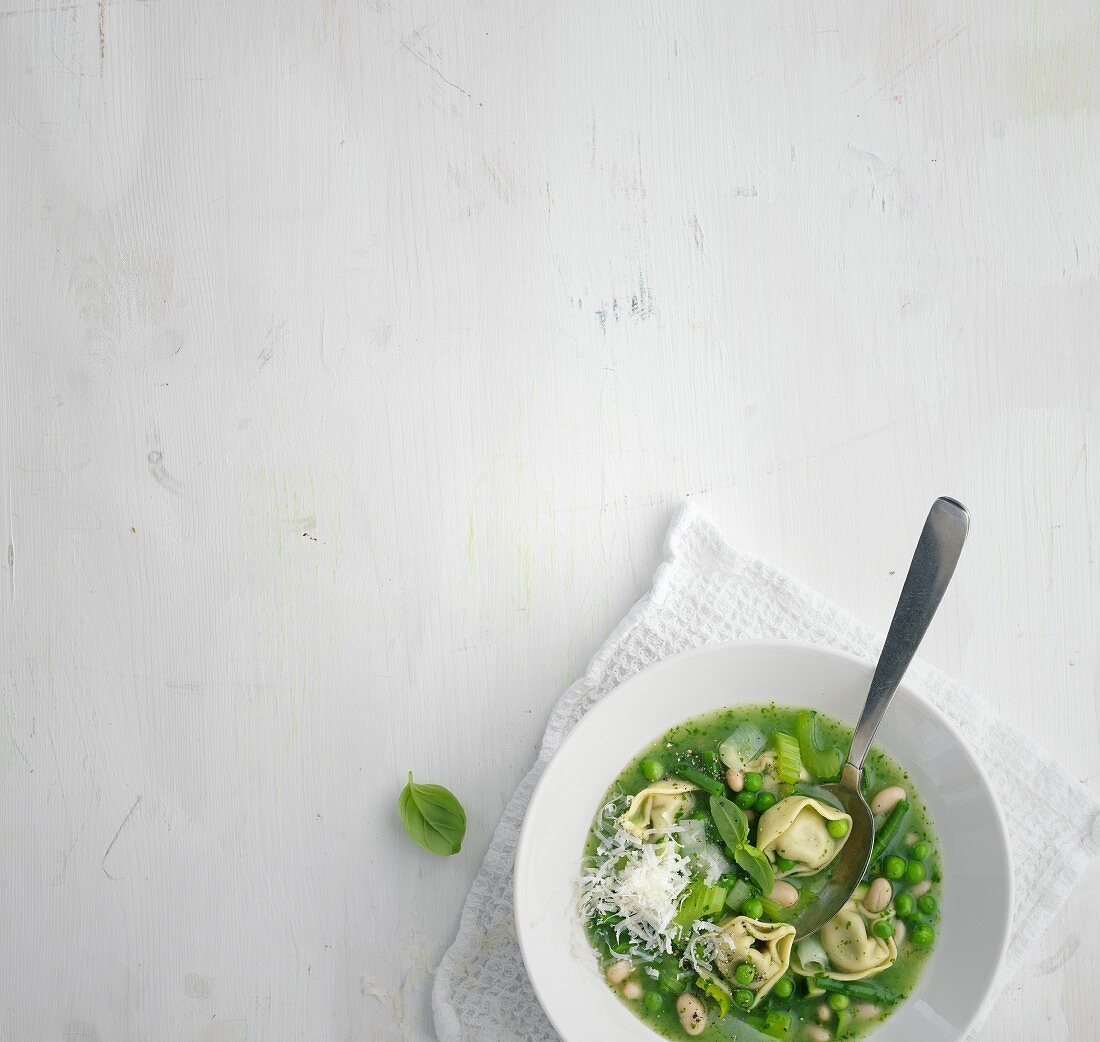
(742, 746)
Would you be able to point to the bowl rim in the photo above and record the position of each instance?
(800, 647)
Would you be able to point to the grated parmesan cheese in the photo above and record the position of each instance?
(639, 882)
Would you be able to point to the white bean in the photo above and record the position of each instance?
(866, 1011)
(878, 895)
(784, 893)
(633, 991)
(911, 839)
(617, 972)
(823, 1012)
(735, 780)
(921, 888)
(899, 933)
(887, 799)
(692, 1013)
(817, 1034)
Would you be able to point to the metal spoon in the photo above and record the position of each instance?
(933, 564)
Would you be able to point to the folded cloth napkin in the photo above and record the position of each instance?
(707, 592)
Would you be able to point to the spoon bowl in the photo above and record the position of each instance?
(850, 866)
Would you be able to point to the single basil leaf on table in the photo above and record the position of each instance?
(432, 816)
(730, 821)
(757, 866)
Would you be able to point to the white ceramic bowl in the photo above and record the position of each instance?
(977, 887)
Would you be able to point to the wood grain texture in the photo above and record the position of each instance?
(354, 359)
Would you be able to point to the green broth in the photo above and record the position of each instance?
(704, 733)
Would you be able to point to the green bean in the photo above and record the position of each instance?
(705, 782)
(855, 989)
(889, 828)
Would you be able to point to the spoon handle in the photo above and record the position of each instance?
(934, 561)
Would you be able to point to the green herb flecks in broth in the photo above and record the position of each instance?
(712, 840)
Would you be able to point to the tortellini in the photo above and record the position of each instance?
(853, 951)
(657, 807)
(765, 946)
(796, 829)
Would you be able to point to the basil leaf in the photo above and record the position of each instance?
(730, 821)
(432, 816)
(757, 866)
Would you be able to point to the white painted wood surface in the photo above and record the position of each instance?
(354, 359)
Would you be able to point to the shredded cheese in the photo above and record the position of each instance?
(640, 883)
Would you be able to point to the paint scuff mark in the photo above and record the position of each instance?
(697, 233)
(114, 840)
(640, 306)
(160, 475)
(102, 32)
(427, 64)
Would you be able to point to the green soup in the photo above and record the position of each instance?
(711, 842)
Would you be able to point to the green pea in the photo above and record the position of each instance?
(923, 935)
(726, 880)
(754, 781)
(745, 800)
(893, 867)
(742, 998)
(914, 871)
(903, 905)
(653, 769)
(763, 801)
(753, 908)
(784, 864)
(927, 904)
(784, 988)
(838, 829)
(921, 850)
(883, 929)
(838, 1001)
(654, 1001)
(744, 974)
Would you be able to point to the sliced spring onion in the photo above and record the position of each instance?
(788, 760)
(709, 985)
(738, 894)
(700, 902)
(742, 746)
(777, 1022)
(823, 764)
(811, 953)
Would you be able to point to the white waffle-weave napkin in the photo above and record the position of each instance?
(707, 592)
